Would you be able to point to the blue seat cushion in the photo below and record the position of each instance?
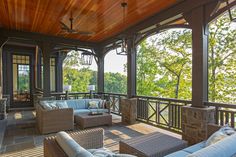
(80, 104)
(195, 147)
(79, 111)
(76, 104)
(71, 104)
(99, 110)
(180, 153)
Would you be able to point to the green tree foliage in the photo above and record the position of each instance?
(115, 83)
(80, 77)
(222, 63)
(75, 75)
(164, 65)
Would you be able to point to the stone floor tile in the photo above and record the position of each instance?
(23, 139)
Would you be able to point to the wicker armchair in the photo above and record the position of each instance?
(55, 120)
(89, 139)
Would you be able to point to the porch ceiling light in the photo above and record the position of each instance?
(232, 19)
(221, 4)
(122, 48)
(86, 57)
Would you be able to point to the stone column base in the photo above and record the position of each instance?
(194, 123)
(129, 111)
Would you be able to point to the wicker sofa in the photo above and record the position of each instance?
(88, 139)
(62, 117)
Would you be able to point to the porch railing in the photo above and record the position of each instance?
(224, 113)
(112, 98)
(73, 95)
(162, 112)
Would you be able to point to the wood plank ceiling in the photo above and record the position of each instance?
(103, 17)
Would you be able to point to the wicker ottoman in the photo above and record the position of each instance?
(152, 145)
(86, 121)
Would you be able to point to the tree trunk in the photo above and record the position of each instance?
(177, 87)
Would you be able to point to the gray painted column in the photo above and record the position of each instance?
(131, 68)
(2, 41)
(100, 54)
(199, 56)
(100, 74)
(46, 52)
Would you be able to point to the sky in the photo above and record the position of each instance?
(113, 63)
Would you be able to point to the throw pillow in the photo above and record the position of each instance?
(45, 105)
(223, 132)
(93, 105)
(227, 130)
(52, 104)
(223, 148)
(102, 103)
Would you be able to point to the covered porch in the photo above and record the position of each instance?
(35, 38)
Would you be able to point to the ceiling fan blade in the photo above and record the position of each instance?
(85, 33)
(64, 26)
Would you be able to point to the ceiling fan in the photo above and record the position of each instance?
(70, 30)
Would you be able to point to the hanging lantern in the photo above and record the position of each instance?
(122, 49)
(86, 57)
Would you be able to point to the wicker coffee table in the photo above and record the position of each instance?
(86, 120)
(152, 145)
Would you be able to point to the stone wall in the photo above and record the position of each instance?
(129, 110)
(194, 123)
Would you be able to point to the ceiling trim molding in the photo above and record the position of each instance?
(38, 37)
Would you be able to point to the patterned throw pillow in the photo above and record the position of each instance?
(102, 104)
(223, 132)
(93, 105)
(52, 104)
(48, 105)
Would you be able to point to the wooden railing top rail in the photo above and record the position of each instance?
(114, 94)
(166, 99)
(70, 93)
(73, 93)
(233, 106)
(119, 94)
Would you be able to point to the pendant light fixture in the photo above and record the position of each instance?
(86, 56)
(122, 49)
